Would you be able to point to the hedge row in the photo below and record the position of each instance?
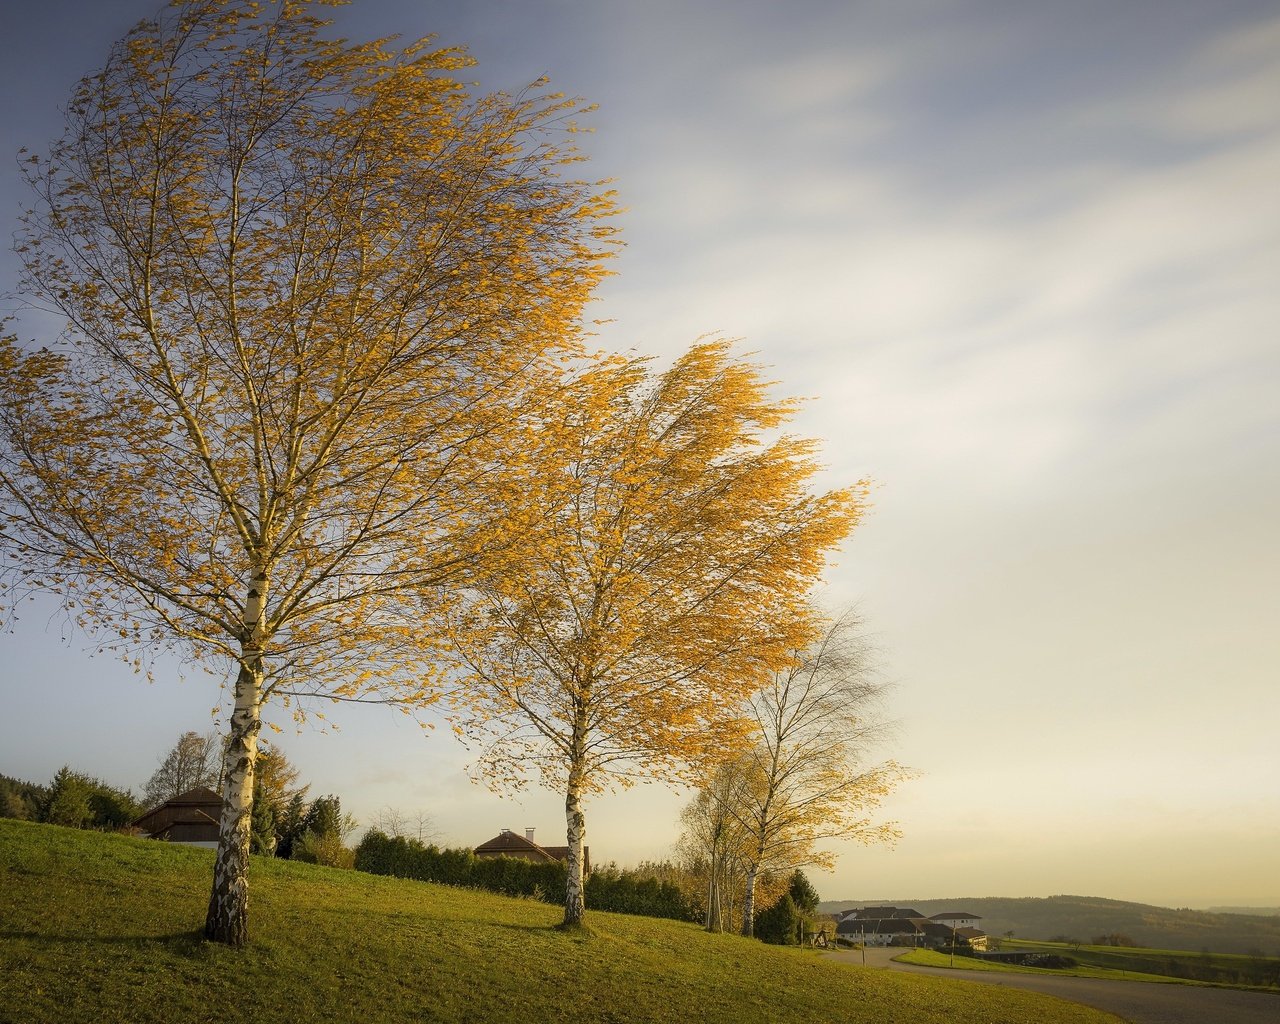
(380, 854)
(627, 892)
(609, 888)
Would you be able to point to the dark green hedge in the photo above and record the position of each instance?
(627, 892)
(610, 888)
(381, 854)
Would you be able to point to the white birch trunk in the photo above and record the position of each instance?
(227, 920)
(761, 837)
(749, 901)
(575, 897)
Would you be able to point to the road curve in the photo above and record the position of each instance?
(1135, 1001)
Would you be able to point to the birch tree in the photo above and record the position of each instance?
(716, 843)
(675, 544)
(803, 779)
(305, 282)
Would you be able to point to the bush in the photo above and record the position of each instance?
(779, 924)
(20, 799)
(513, 876)
(323, 848)
(77, 801)
(381, 854)
(68, 802)
(1052, 961)
(635, 892)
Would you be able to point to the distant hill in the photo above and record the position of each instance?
(1255, 911)
(1083, 917)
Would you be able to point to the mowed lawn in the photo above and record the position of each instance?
(106, 928)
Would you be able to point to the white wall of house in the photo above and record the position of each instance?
(958, 922)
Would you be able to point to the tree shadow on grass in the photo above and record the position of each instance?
(511, 926)
(186, 943)
(573, 931)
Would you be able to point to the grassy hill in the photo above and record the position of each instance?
(1083, 917)
(104, 928)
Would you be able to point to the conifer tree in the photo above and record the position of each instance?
(262, 823)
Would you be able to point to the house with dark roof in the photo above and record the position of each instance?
(190, 818)
(510, 844)
(903, 926)
(880, 914)
(887, 931)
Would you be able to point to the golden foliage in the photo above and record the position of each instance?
(306, 282)
(672, 538)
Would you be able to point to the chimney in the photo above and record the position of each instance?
(528, 834)
(506, 831)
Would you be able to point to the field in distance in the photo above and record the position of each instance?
(106, 928)
(1125, 963)
(1082, 918)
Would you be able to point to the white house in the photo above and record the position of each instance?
(957, 920)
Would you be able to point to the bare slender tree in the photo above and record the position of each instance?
(804, 780)
(392, 821)
(195, 760)
(717, 842)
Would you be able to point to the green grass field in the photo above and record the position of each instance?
(1121, 963)
(1231, 969)
(932, 958)
(104, 928)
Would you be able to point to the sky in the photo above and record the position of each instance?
(1022, 259)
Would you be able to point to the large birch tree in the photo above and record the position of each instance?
(306, 283)
(677, 536)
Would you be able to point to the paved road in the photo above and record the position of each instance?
(1136, 1001)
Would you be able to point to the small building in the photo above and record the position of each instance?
(973, 938)
(957, 920)
(510, 844)
(190, 818)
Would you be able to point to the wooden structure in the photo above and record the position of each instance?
(191, 817)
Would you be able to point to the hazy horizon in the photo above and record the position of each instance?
(907, 901)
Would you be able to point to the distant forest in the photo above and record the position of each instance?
(1255, 911)
(20, 799)
(70, 799)
(1080, 918)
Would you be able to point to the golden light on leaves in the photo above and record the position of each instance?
(670, 547)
